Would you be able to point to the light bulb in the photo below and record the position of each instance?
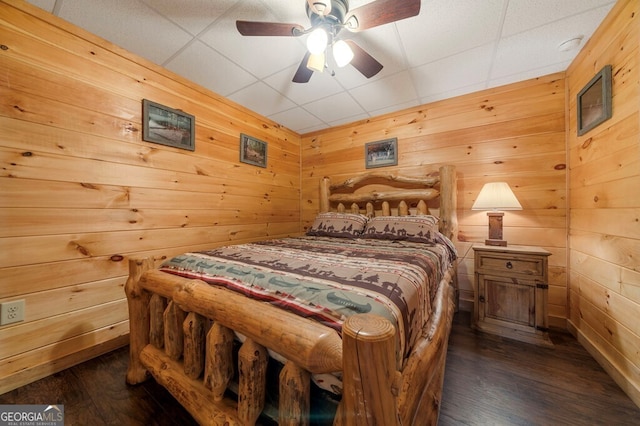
(317, 41)
(342, 53)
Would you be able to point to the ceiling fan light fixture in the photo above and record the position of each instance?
(319, 7)
(317, 41)
(342, 53)
(352, 23)
(316, 62)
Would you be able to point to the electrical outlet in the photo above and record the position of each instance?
(11, 312)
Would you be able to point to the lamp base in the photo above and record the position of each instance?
(495, 229)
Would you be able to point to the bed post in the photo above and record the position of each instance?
(448, 203)
(369, 372)
(324, 194)
(138, 300)
(449, 216)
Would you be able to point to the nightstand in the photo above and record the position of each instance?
(511, 285)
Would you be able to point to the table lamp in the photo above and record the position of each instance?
(496, 196)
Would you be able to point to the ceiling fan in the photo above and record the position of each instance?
(328, 18)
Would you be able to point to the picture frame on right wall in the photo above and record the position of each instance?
(594, 101)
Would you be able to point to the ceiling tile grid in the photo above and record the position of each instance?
(451, 48)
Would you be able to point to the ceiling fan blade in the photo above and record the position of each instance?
(362, 61)
(253, 28)
(303, 74)
(381, 12)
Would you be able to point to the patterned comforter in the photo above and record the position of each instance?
(328, 279)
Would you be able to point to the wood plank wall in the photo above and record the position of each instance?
(514, 133)
(604, 200)
(80, 192)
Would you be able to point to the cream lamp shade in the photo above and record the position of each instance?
(317, 41)
(496, 197)
(316, 62)
(342, 53)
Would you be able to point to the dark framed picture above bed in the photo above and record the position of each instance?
(253, 151)
(381, 153)
(594, 101)
(168, 126)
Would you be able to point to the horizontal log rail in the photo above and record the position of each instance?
(350, 183)
(311, 345)
(409, 194)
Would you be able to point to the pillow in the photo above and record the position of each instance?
(344, 225)
(407, 228)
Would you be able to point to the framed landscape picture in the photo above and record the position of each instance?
(253, 151)
(167, 126)
(381, 153)
(594, 101)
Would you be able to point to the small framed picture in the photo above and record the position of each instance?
(253, 151)
(594, 101)
(381, 153)
(168, 126)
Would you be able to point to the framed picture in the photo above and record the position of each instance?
(594, 101)
(168, 126)
(381, 153)
(253, 151)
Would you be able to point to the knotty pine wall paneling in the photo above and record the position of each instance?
(514, 133)
(604, 200)
(80, 192)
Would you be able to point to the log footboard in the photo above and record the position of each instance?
(182, 334)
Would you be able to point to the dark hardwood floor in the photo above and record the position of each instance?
(489, 381)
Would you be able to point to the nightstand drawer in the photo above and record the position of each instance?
(508, 263)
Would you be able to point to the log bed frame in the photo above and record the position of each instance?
(182, 332)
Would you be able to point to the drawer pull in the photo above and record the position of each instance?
(509, 265)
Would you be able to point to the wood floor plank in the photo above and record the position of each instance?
(489, 381)
(499, 381)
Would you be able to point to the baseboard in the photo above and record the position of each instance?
(625, 384)
(38, 372)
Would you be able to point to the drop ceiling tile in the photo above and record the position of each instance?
(529, 74)
(44, 4)
(389, 91)
(445, 28)
(349, 119)
(290, 11)
(261, 56)
(203, 65)
(453, 93)
(525, 15)
(193, 15)
(455, 72)
(334, 107)
(262, 99)
(517, 54)
(319, 86)
(394, 108)
(129, 24)
(383, 44)
(297, 119)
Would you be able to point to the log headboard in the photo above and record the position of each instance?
(379, 192)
